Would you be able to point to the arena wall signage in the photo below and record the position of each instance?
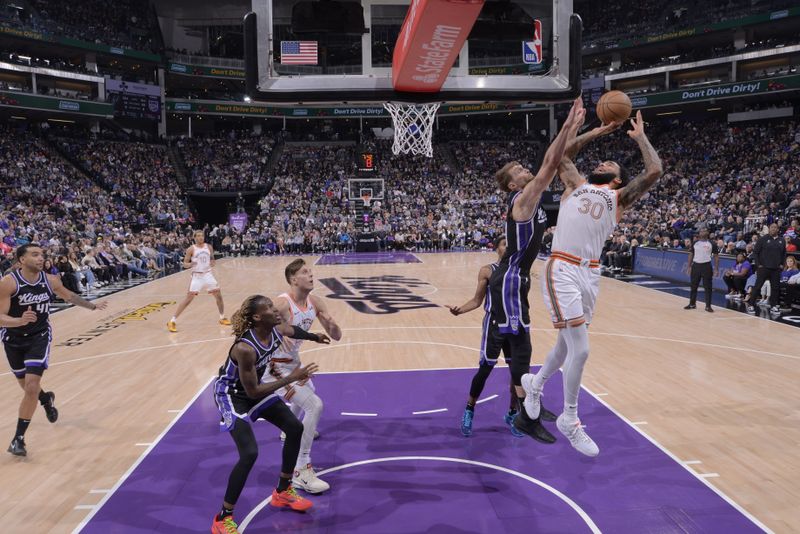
(760, 18)
(216, 108)
(671, 265)
(48, 103)
(726, 90)
(238, 74)
(205, 71)
(75, 43)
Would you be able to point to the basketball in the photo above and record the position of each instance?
(614, 106)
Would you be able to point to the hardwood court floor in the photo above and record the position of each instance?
(715, 389)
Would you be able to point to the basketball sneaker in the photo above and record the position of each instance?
(172, 326)
(17, 447)
(224, 526)
(509, 419)
(289, 498)
(533, 427)
(545, 414)
(466, 422)
(49, 407)
(533, 403)
(225, 321)
(577, 436)
(306, 479)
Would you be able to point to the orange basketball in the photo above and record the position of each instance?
(614, 106)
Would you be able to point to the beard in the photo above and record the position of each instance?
(601, 178)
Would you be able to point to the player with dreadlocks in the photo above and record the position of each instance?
(242, 398)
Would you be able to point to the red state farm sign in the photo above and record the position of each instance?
(429, 42)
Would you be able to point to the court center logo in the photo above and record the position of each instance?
(379, 294)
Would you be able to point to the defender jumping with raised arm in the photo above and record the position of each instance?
(510, 282)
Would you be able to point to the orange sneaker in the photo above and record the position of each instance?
(290, 498)
(224, 526)
(172, 326)
(225, 321)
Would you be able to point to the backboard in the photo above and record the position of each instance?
(333, 51)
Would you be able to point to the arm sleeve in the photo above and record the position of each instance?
(299, 333)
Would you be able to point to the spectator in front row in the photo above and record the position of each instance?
(790, 282)
(736, 278)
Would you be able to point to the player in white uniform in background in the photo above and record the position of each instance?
(200, 259)
(299, 308)
(590, 209)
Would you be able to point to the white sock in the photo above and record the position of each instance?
(553, 362)
(221, 316)
(174, 319)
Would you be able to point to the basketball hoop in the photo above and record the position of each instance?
(413, 127)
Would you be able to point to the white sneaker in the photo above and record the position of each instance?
(533, 404)
(283, 435)
(306, 479)
(577, 436)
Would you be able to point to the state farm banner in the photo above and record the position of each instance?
(429, 43)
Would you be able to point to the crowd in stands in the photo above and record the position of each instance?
(642, 18)
(602, 64)
(129, 190)
(93, 237)
(124, 23)
(139, 173)
(236, 160)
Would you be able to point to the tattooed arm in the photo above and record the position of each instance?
(652, 166)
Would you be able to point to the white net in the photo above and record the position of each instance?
(413, 127)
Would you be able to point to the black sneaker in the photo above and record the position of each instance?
(709, 309)
(545, 414)
(17, 447)
(533, 428)
(50, 408)
(689, 307)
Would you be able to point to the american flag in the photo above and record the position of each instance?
(298, 52)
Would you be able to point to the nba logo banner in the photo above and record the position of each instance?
(532, 50)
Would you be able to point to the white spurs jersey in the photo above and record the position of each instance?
(585, 220)
(201, 259)
(288, 356)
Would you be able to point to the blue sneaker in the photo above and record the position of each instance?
(509, 419)
(466, 422)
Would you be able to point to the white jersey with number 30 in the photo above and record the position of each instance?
(585, 220)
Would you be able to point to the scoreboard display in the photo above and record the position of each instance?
(134, 100)
(367, 164)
